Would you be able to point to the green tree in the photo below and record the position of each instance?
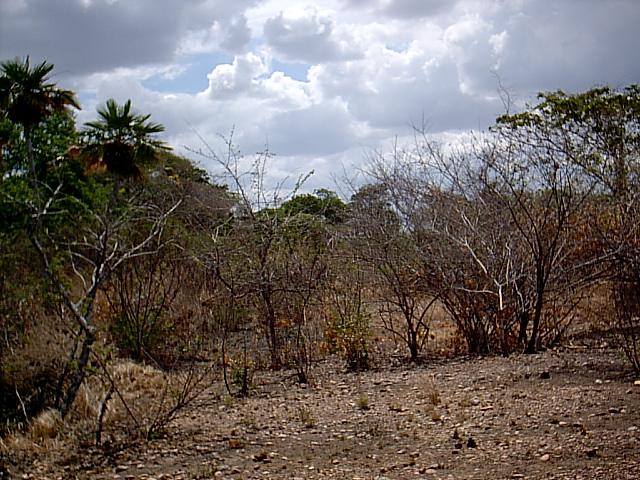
(121, 142)
(108, 236)
(322, 203)
(598, 130)
(27, 97)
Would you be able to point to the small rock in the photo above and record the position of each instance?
(458, 446)
(546, 375)
(471, 443)
(545, 458)
(637, 383)
(598, 382)
(236, 444)
(260, 457)
(591, 453)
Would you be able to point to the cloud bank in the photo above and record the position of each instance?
(322, 82)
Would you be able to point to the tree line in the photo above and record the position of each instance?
(113, 247)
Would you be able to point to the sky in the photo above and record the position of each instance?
(323, 84)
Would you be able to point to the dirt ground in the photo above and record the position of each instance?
(568, 413)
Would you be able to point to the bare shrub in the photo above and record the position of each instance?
(625, 284)
(498, 233)
(626, 298)
(130, 400)
(387, 246)
(140, 295)
(30, 371)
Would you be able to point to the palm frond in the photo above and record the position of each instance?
(123, 138)
(27, 96)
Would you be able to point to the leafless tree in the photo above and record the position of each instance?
(265, 257)
(497, 227)
(389, 250)
(102, 245)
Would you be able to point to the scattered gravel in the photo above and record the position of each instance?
(563, 414)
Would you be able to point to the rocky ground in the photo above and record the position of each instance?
(568, 413)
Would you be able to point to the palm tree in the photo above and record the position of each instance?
(121, 142)
(27, 97)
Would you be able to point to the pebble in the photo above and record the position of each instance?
(545, 458)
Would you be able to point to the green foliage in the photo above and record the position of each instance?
(322, 203)
(26, 96)
(121, 141)
(182, 169)
(242, 378)
(596, 108)
(9, 136)
(56, 171)
(348, 323)
(50, 140)
(598, 130)
(349, 337)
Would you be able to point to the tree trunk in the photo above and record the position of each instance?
(30, 154)
(115, 193)
(413, 344)
(532, 345)
(80, 373)
(271, 328)
(523, 320)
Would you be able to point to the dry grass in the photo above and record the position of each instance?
(362, 402)
(46, 425)
(45, 434)
(144, 393)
